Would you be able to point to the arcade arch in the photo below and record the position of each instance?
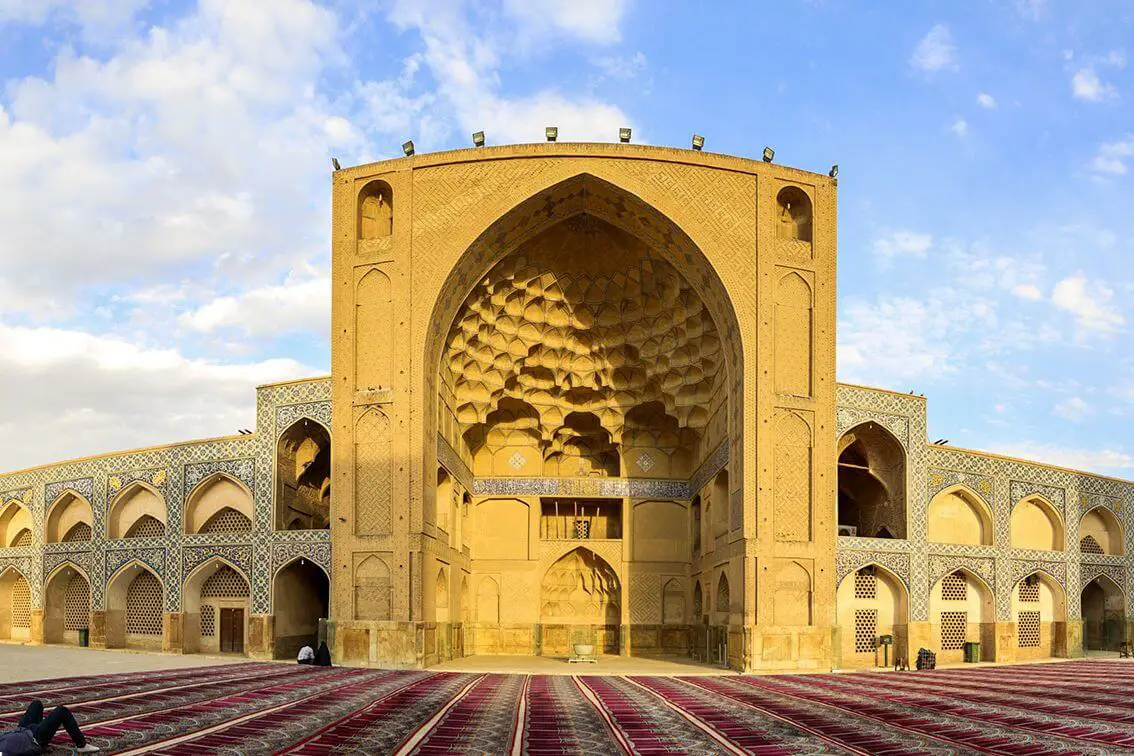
(962, 609)
(1100, 532)
(1039, 609)
(67, 604)
(15, 605)
(15, 525)
(1104, 614)
(300, 598)
(958, 515)
(215, 605)
(870, 603)
(69, 519)
(138, 511)
(872, 483)
(135, 600)
(580, 597)
(1036, 525)
(219, 504)
(303, 477)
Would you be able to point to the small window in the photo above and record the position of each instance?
(953, 627)
(1029, 592)
(954, 588)
(865, 630)
(865, 585)
(1028, 630)
(794, 221)
(375, 211)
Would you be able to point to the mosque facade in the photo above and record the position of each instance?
(581, 395)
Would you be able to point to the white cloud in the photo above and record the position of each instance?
(985, 100)
(1086, 85)
(623, 67)
(1027, 291)
(98, 18)
(1105, 460)
(1031, 8)
(1111, 156)
(900, 242)
(960, 128)
(296, 305)
(1089, 302)
(590, 20)
(1116, 58)
(85, 394)
(935, 51)
(1073, 409)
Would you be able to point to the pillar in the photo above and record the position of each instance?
(97, 627)
(173, 632)
(262, 636)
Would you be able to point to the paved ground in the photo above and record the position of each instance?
(19, 662)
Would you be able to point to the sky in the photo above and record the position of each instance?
(165, 186)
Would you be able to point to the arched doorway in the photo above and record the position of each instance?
(215, 607)
(580, 602)
(135, 600)
(300, 598)
(872, 483)
(67, 605)
(15, 605)
(871, 602)
(303, 477)
(962, 609)
(1039, 610)
(1104, 615)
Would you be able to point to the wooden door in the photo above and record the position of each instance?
(232, 631)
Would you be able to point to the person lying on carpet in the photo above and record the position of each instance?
(323, 656)
(306, 655)
(34, 733)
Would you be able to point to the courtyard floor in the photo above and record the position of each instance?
(216, 707)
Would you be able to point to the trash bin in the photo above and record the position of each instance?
(972, 652)
(84, 637)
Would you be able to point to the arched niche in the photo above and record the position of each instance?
(794, 214)
(659, 531)
(215, 603)
(871, 483)
(695, 526)
(464, 610)
(962, 609)
(698, 602)
(441, 595)
(219, 504)
(443, 500)
(1035, 524)
(375, 210)
(69, 519)
(373, 590)
(303, 474)
(15, 605)
(1039, 609)
(673, 602)
(300, 598)
(723, 604)
(791, 603)
(488, 601)
(374, 331)
(959, 515)
(581, 588)
(793, 315)
(16, 525)
(871, 602)
(137, 511)
(135, 600)
(501, 529)
(67, 604)
(1103, 605)
(719, 495)
(1104, 530)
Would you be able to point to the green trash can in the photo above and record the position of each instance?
(84, 637)
(972, 652)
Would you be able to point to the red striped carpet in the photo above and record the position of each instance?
(1079, 707)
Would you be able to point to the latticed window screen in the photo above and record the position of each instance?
(23, 538)
(80, 531)
(1029, 592)
(143, 605)
(865, 629)
(865, 585)
(208, 620)
(953, 588)
(76, 604)
(953, 625)
(146, 527)
(227, 520)
(21, 603)
(1090, 546)
(1028, 630)
(582, 528)
(225, 583)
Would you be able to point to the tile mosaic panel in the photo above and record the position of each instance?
(639, 488)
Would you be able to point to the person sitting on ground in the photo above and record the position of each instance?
(306, 655)
(34, 732)
(323, 656)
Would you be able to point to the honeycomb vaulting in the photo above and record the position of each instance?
(579, 335)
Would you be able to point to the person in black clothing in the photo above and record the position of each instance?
(34, 732)
(323, 656)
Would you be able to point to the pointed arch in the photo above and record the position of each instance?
(303, 473)
(792, 317)
(135, 607)
(958, 514)
(214, 585)
(1039, 609)
(724, 597)
(871, 482)
(441, 594)
(15, 518)
(463, 609)
(67, 603)
(698, 601)
(373, 598)
(137, 500)
(962, 609)
(488, 601)
(1036, 524)
(1101, 526)
(15, 604)
(791, 604)
(1103, 609)
(581, 588)
(66, 517)
(673, 602)
(214, 501)
(300, 598)
(871, 602)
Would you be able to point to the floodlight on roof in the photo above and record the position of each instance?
(698, 141)
(552, 133)
(408, 148)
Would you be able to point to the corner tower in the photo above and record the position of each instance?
(583, 394)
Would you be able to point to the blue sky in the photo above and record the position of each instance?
(164, 187)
